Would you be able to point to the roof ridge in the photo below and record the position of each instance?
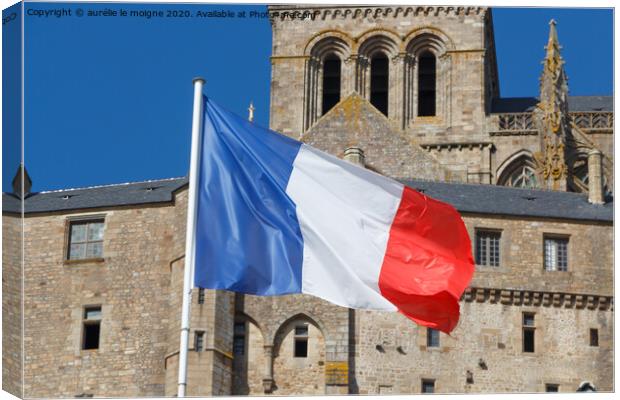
(111, 184)
(483, 185)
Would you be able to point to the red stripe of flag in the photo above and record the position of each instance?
(428, 261)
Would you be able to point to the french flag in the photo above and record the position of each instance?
(276, 216)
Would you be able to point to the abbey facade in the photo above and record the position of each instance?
(411, 93)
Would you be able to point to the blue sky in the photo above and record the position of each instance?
(108, 99)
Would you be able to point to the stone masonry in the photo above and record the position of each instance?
(250, 344)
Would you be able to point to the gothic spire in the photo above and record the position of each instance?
(552, 115)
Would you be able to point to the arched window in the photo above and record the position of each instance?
(331, 82)
(379, 78)
(427, 84)
(521, 172)
(524, 177)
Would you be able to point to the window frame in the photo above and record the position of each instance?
(298, 337)
(239, 336)
(555, 386)
(375, 78)
(199, 336)
(427, 381)
(425, 76)
(488, 232)
(556, 239)
(77, 220)
(331, 57)
(530, 329)
(86, 321)
(594, 338)
(430, 344)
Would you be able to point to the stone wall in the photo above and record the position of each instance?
(328, 347)
(131, 284)
(389, 352)
(12, 304)
(143, 258)
(488, 344)
(299, 375)
(590, 255)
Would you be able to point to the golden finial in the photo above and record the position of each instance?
(251, 112)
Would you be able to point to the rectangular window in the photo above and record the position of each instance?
(432, 337)
(201, 296)
(91, 328)
(239, 339)
(529, 330)
(199, 341)
(552, 387)
(556, 254)
(487, 248)
(301, 341)
(594, 337)
(428, 386)
(85, 239)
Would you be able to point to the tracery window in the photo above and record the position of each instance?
(523, 177)
(520, 173)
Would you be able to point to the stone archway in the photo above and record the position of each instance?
(249, 357)
(297, 368)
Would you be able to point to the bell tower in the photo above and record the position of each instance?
(431, 71)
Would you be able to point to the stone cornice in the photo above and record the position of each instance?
(457, 146)
(538, 298)
(456, 51)
(301, 11)
(284, 58)
(514, 133)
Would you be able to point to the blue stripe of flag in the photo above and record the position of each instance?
(248, 237)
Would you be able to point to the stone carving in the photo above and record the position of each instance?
(550, 116)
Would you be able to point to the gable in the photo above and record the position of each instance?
(354, 122)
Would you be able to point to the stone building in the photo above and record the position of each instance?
(411, 93)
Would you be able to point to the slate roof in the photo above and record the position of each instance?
(124, 194)
(501, 200)
(575, 103)
(467, 198)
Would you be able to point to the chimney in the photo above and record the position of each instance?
(595, 177)
(355, 155)
(17, 182)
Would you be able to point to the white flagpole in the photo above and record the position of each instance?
(190, 234)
